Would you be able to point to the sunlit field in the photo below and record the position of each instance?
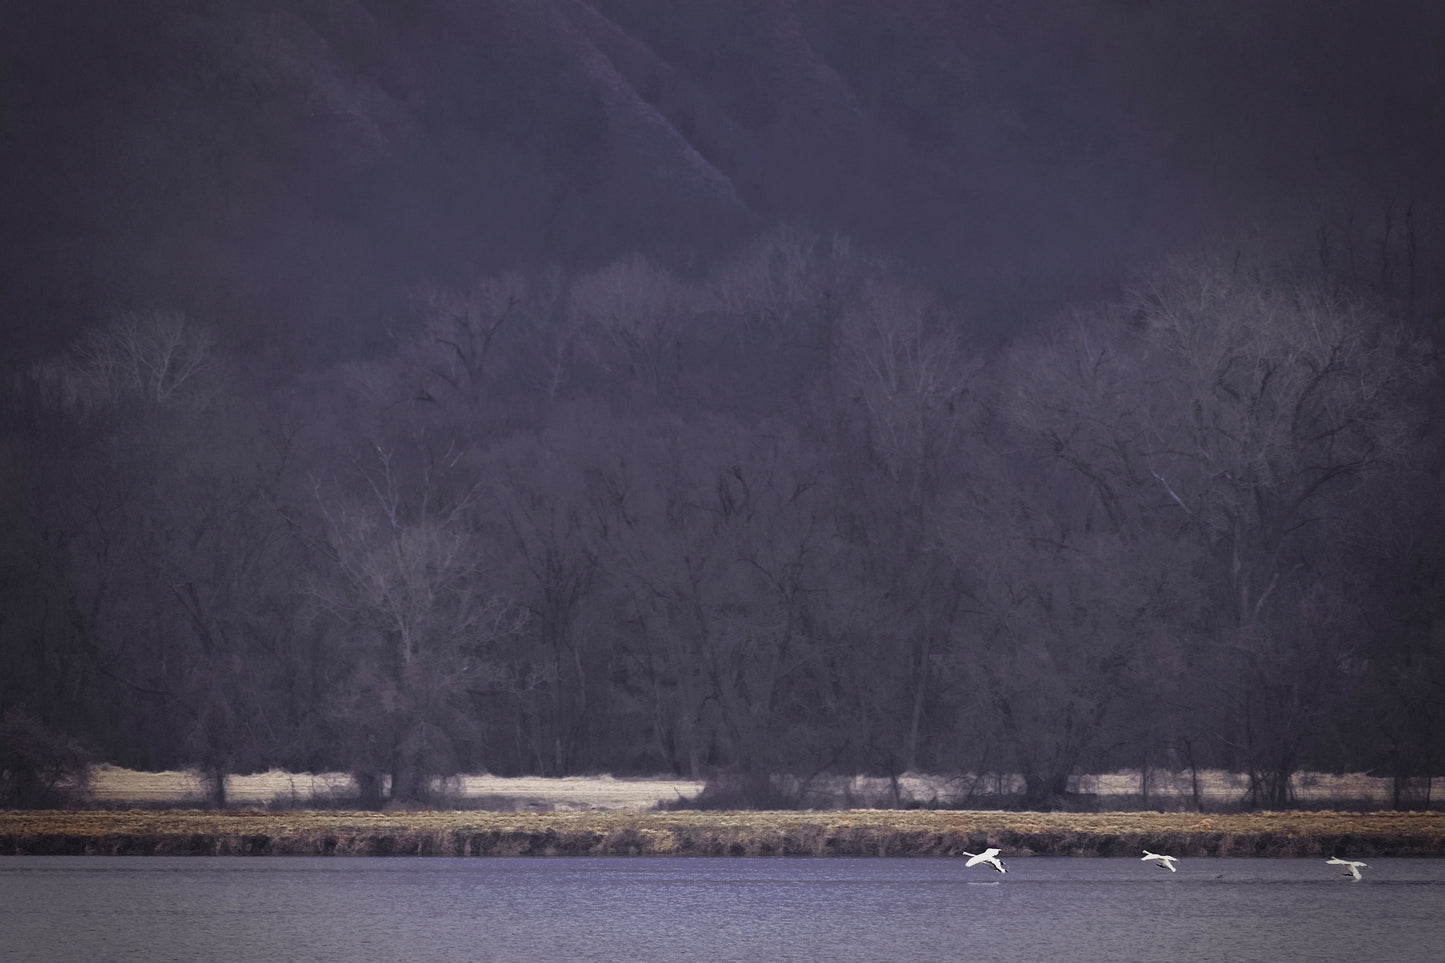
(1214, 789)
(112, 786)
(607, 816)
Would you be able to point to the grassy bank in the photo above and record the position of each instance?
(834, 833)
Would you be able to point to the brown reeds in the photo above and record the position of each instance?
(830, 833)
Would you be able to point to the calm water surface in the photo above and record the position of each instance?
(59, 908)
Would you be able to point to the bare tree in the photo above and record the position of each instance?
(556, 542)
(899, 362)
(632, 314)
(409, 577)
(1060, 613)
(174, 559)
(154, 356)
(1282, 400)
(458, 337)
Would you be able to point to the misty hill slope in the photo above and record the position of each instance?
(289, 168)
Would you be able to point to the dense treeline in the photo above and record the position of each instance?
(780, 516)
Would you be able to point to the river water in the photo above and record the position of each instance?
(57, 908)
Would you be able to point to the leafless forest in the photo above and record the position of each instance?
(799, 501)
(780, 519)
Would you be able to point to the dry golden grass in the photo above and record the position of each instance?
(841, 832)
(112, 785)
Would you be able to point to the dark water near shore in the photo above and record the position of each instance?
(498, 909)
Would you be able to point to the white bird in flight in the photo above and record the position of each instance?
(989, 856)
(1165, 862)
(1352, 864)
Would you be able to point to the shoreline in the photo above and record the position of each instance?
(1217, 790)
(849, 833)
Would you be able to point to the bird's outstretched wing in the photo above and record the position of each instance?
(1352, 865)
(989, 856)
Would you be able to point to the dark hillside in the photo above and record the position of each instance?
(278, 167)
(293, 164)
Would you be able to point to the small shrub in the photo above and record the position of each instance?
(39, 767)
(737, 789)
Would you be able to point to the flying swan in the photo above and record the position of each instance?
(1165, 862)
(989, 856)
(1352, 864)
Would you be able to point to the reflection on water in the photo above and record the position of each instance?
(155, 908)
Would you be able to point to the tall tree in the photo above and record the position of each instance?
(1283, 400)
(899, 362)
(411, 578)
(172, 551)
